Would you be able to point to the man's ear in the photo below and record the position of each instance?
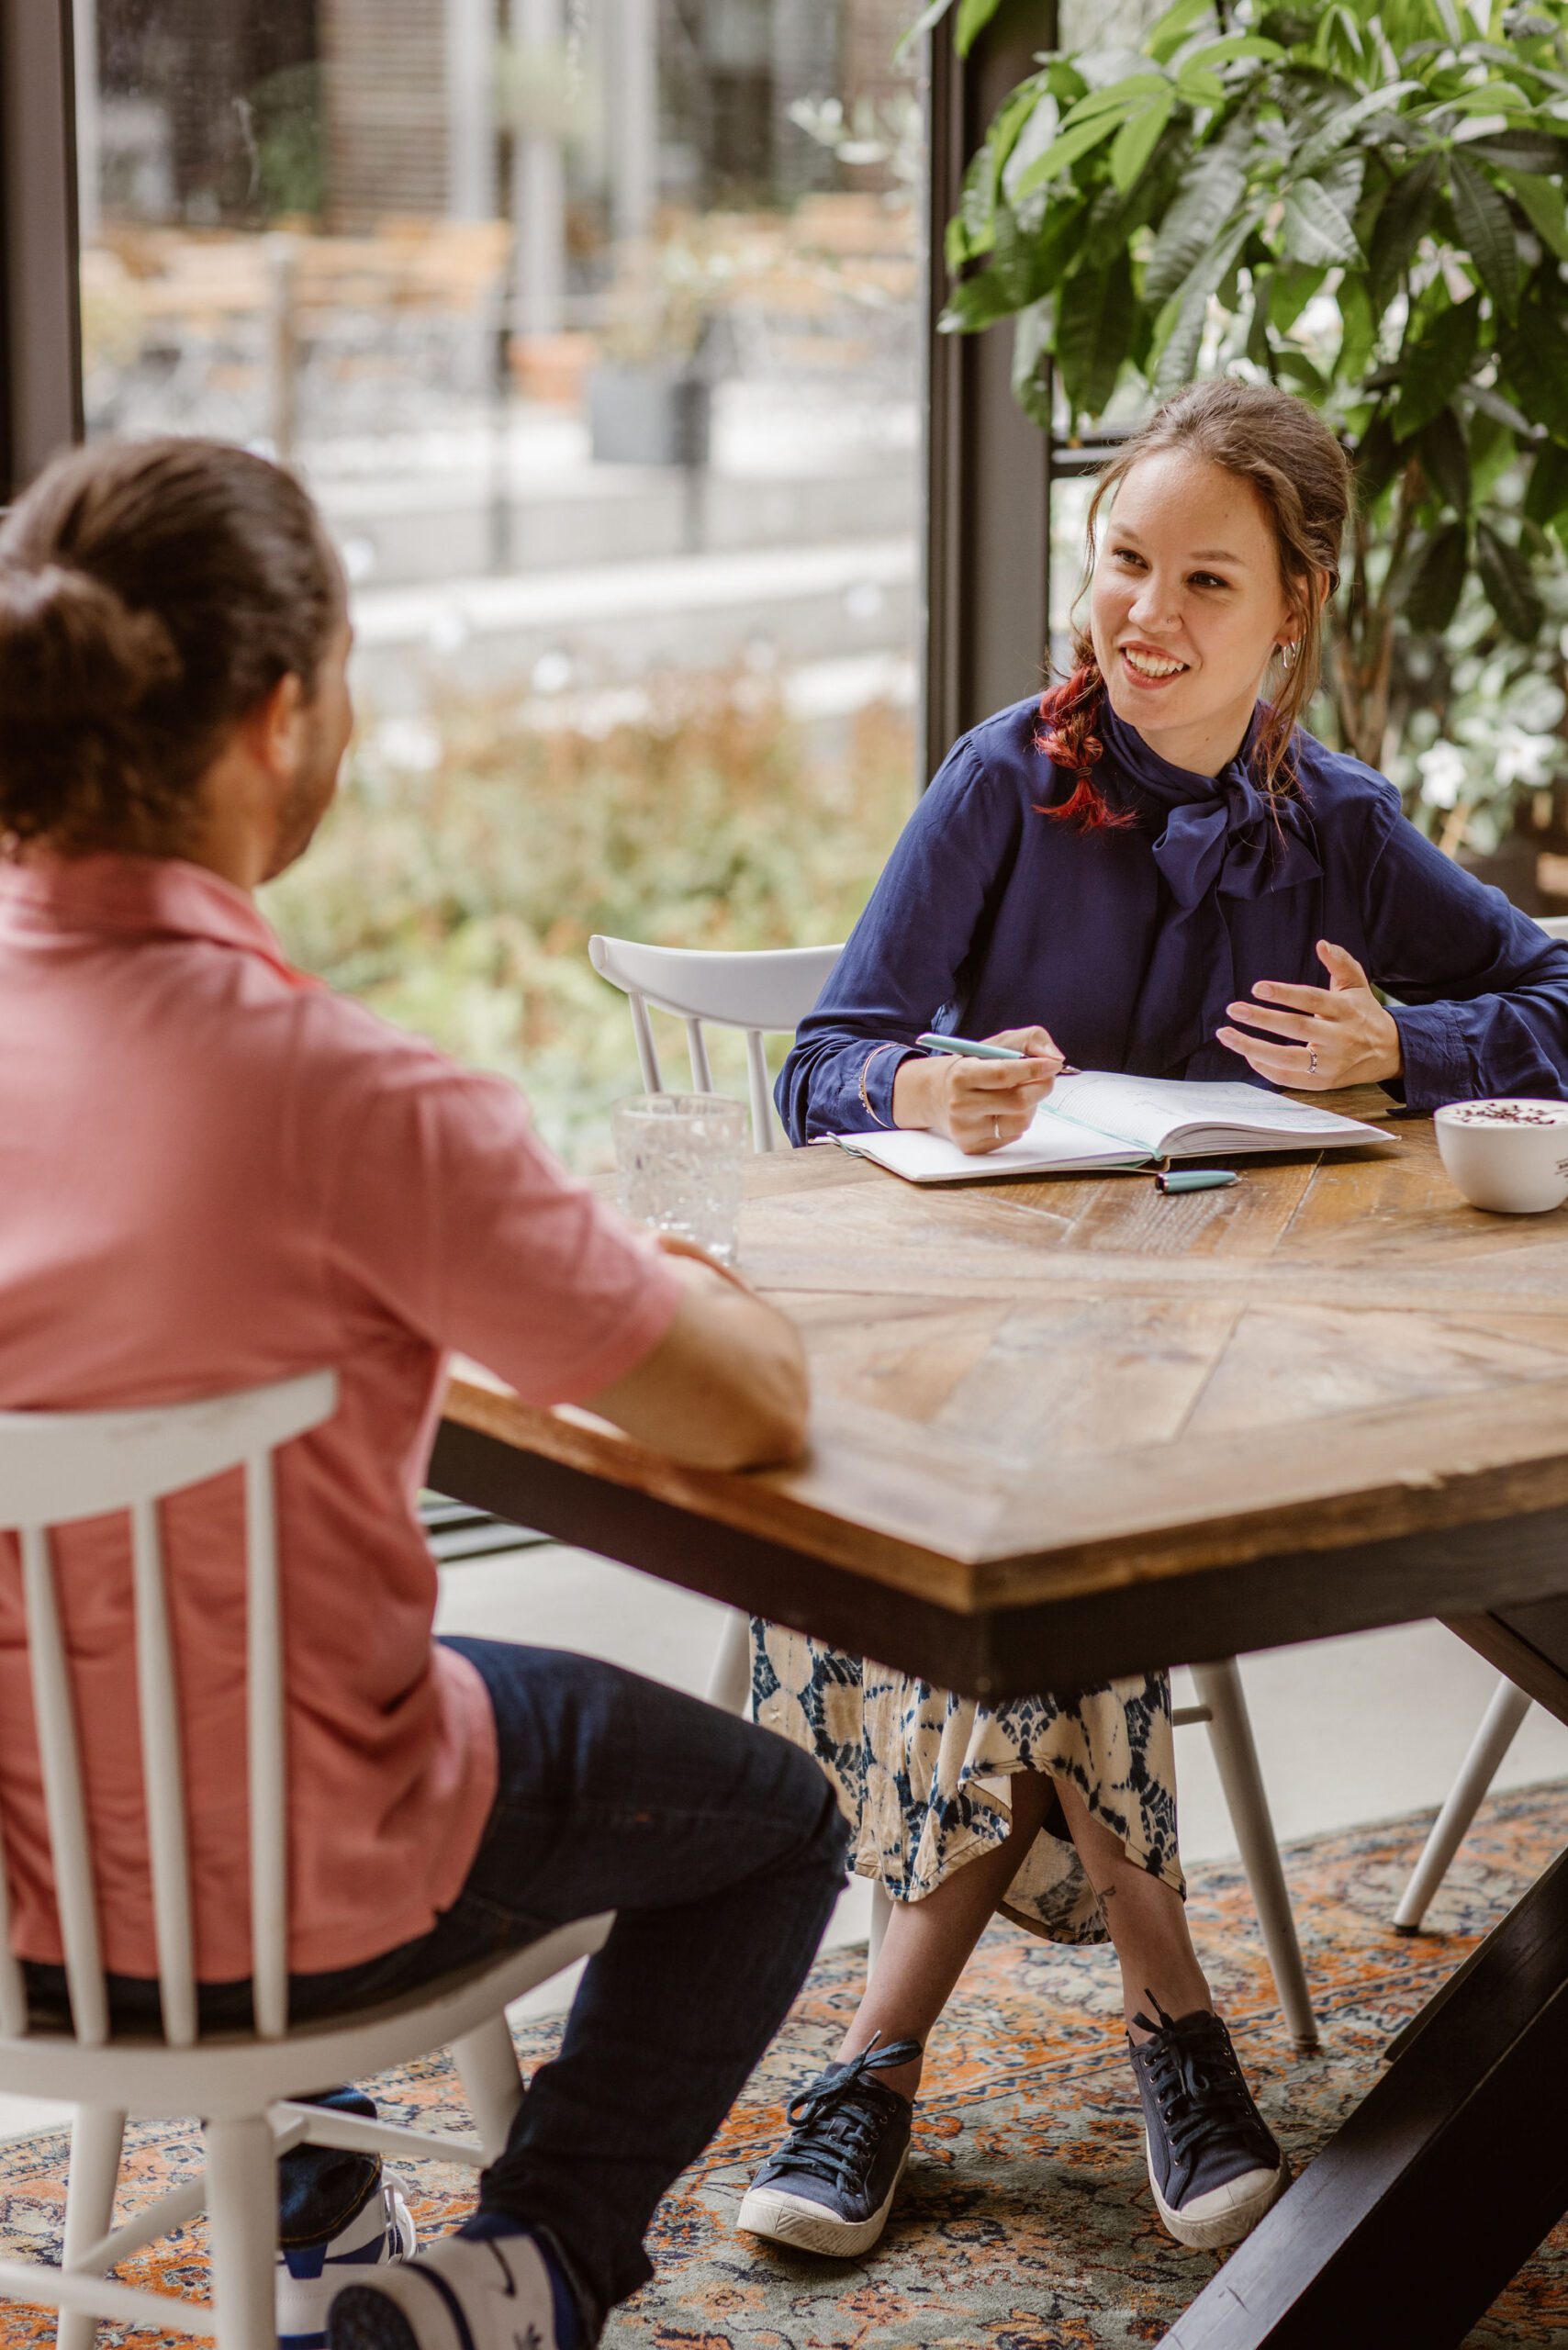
(273, 731)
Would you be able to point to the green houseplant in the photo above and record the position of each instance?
(1362, 202)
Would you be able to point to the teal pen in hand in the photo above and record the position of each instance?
(976, 1049)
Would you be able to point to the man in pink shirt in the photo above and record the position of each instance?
(215, 1172)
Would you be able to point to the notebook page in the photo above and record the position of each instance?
(1148, 1112)
(1047, 1144)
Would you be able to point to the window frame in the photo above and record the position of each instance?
(41, 336)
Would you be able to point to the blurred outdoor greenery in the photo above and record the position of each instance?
(470, 856)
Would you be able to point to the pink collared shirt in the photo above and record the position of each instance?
(213, 1173)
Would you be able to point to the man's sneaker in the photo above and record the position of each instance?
(1213, 2164)
(493, 2286)
(310, 2275)
(831, 2185)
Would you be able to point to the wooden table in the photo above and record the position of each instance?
(1072, 1428)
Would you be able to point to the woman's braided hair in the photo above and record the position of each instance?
(1273, 441)
(152, 594)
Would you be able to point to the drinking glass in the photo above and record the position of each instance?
(679, 1158)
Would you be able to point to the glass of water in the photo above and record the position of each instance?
(679, 1158)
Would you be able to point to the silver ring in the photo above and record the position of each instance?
(1312, 1061)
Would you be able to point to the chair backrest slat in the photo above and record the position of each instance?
(266, 1751)
(647, 1051)
(763, 993)
(697, 1052)
(55, 1716)
(58, 1467)
(764, 1126)
(163, 1780)
(13, 1989)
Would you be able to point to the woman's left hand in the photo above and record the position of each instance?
(1339, 1034)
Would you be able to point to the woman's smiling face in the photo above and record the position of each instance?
(1186, 606)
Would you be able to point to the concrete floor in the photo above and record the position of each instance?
(1348, 1730)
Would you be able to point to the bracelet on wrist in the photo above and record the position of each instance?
(891, 1047)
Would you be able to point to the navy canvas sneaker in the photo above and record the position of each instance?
(310, 2275)
(831, 2185)
(1213, 2163)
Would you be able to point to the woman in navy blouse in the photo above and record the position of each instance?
(1154, 869)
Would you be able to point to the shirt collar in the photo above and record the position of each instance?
(137, 897)
(1140, 764)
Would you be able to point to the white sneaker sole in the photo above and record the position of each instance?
(1226, 2213)
(810, 2227)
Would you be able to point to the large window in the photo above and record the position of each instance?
(595, 326)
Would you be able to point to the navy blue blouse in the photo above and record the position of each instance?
(1129, 944)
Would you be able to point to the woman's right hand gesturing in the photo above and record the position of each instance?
(978, 1104)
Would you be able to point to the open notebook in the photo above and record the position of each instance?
(1094, 1119)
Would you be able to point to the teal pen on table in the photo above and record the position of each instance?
(1166, 1179)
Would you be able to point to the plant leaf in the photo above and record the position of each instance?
(1336, 133)
(1314, 229)
(1188, 309)
(1431, 594)
(1445, 458)
(1377, 461)
(1543, 205)
(1031, 357)
(1521, 149)
(1432, 369)
(1483, 221)
(1293, 288)
(1215, 54)
(973, 18)
(1138, 139)
(1403, 218)
(1064, 151)
(1509, 583)
(1094, 320)
(1546, 496)
(925, 22)
(1123, 97)
(1535, 359)
(1167, 32)
(1214, 187)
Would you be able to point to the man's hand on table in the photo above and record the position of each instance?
(726, 1386)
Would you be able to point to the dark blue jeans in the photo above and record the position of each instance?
(720, 1849)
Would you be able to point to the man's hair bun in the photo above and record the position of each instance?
(77, 669)
(152, 594)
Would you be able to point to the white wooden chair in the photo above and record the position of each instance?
(765, 994)
(771, 993)
(55, 1468)
(1500, 1725)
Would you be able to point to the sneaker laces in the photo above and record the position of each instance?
(836, 2121)
(1198, 2084)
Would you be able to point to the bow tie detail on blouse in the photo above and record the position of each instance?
(1222, 837)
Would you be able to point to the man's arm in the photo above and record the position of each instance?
(724, 1388)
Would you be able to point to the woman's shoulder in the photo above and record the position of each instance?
(1000, 757)
(1335, 783)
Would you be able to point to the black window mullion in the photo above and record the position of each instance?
(40, 362)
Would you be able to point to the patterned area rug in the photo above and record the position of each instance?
(1024, 2222)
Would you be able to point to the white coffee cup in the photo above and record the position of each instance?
(1508, 1155)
